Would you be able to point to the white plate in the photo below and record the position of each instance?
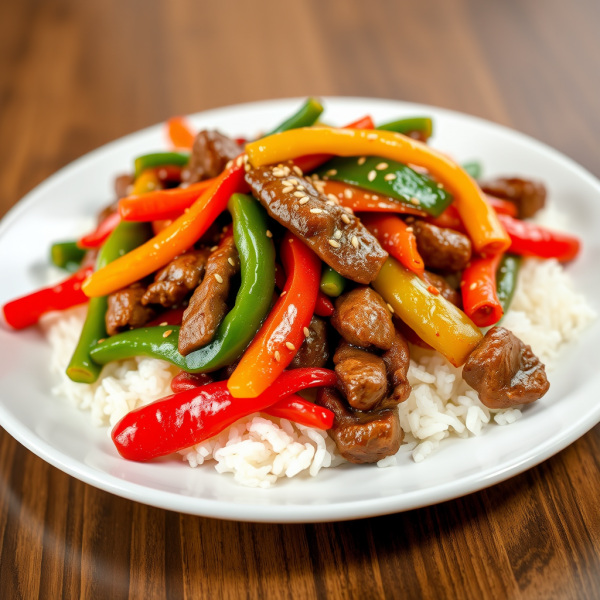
(65, 437)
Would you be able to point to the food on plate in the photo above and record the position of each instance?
(234, 276)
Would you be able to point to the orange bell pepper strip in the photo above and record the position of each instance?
(480, 220)
(180, 133)
(172, 241)
(161, 204)
(479, 293)
(449, 219)
(397, 238)
(278, 340)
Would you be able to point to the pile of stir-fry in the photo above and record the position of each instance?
(311, 257)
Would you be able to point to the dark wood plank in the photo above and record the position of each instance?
(75, 75)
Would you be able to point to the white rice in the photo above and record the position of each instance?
(546, 313)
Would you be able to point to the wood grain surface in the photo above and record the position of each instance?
(77, 74)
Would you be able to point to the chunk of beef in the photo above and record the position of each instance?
(445, 289)
(210, 153)
(123, 185)
(208, 303)
(314, 351)
(363, 319)
(362, 437)
(335, 235)
(441, 248)
(504, 371)
(529, 196)
(125, 309)
(362, 376)
(174, 281)
(397, 361)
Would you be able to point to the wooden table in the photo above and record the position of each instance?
(74, 75)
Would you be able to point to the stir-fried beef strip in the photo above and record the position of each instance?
(363, 319)
(362, 437)
(362, 376)
(445, 289)
(123, 185)
(504, 371)
(529, 196)
(333, 233)
(210, 153)
(314, 351)
(397, 361)
(173, 282)
(208, 303)
(440, 248)
(125, 309)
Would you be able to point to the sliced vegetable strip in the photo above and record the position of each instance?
(485, 231)
(124, 238)
(528, 239)
(397, 238)
(324, 307)
(332, 283)
(180, 133)
(27, 310)
(161, 204)
(473, 168)
(506, 280)
(422, 124)
(182, 420)
(100, 235)
(67, 255)
(478, 287)
(308, 113)
(170, 242)
(278, 340)
(159, 159)
(436, 321)
(502, 207)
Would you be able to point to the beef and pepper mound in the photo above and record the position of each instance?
(529, 196)
(210, 153)
(333, 233)
(504, 371)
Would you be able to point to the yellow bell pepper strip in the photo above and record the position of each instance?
(435, 320)
(275, 345)
(172, 241)
(486, 232)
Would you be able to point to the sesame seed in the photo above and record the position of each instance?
(372, 136)
(245, 157)
(279, 173)
(283, 293)
(337, 235)
(348, 210)
(316, 211)
(163, 324)
(440, 185)
(410, 229)
(362, 160)
(303, 200)
(299, 187)
(269, 234)
(238, 161)
(104, 339)
(354, 241)
(334, 243)
(277, 355)
(299, 194)
(287, 190)
(231, 261)
(473, 286)
(218, 278)
(372, 175)
(390, 307)
(332, 197)
(331, 203)
(390, 177)
(167, 333)
(374, 197)
(415, 201)
(381, 166)
(306, 332)
(213, 248)
(331, 172)
(290, 346)
(345, 218)
(247, 168)
(291, 182)
(298, 171)
(367, 196)
(229, 165)
(348, 193)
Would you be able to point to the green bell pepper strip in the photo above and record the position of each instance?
(506, 279)
(159, 159)
(407, 185)
(422, 124)
(332, 283)
(257, 260)
(473, 168)
(67, 255)
(125, 237)
(305, 117)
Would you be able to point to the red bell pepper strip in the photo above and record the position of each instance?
(173, 316)
(324, 306)
(528, 239)
(397, 238)
(502, 207)
(310, 162)
(479, 294)
(449, 219)
(27, 310)
(276, 343)
(180, 133)
(100, 235)
(360, 200)
(161, 204)
(294, 407)
(187, 418)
